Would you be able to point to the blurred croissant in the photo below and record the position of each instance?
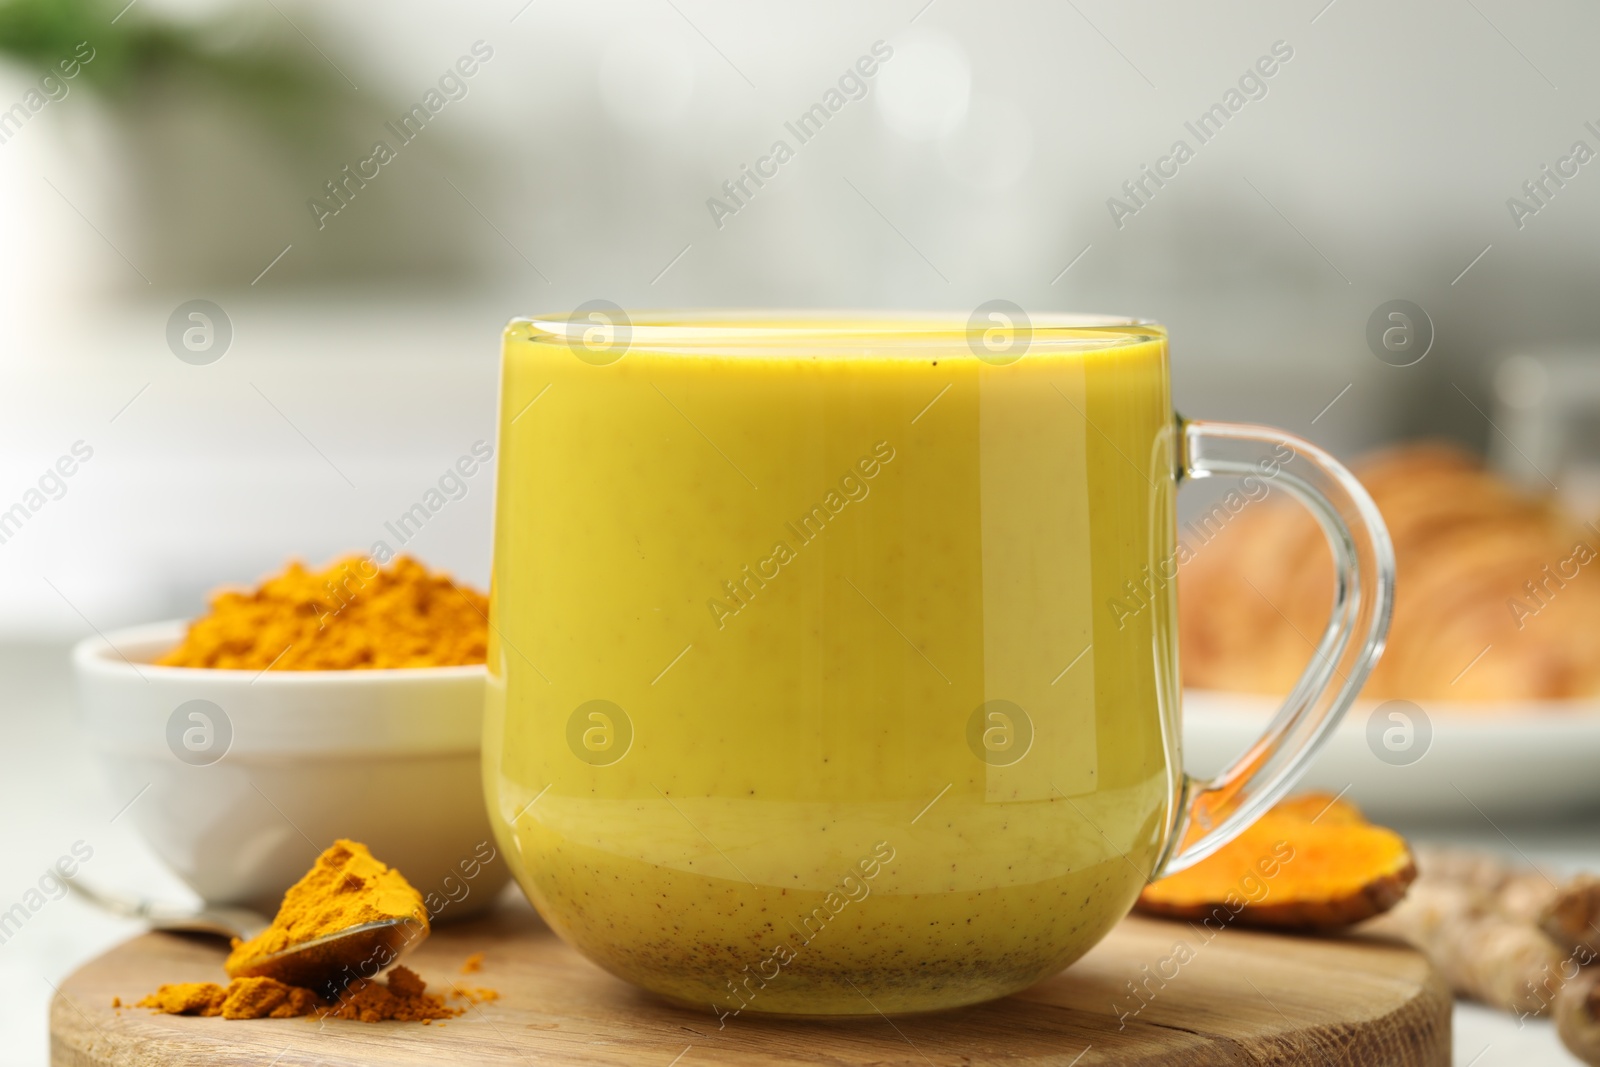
(1497, 593)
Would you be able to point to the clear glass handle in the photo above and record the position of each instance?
(1213, 812)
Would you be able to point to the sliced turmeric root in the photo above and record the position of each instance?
(1313, 861)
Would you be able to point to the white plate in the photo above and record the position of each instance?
(1405, 760)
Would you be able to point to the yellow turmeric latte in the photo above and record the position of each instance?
(835, 715)
(353, 615)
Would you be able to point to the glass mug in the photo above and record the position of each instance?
(833, 667)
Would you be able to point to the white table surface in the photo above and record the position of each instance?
(52, 796)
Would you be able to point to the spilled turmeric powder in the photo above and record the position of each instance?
(354, 615)
(186, 998)
(474, 994)
(403, 998)
(244, 998)
(261, 998)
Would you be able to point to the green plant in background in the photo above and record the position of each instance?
(132, 49)
(226, 127)
(266, 69)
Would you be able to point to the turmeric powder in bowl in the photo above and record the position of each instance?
(354, 615)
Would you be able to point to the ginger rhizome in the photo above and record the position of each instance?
(1488, 926)
(1572, 917)
(1577, 1015)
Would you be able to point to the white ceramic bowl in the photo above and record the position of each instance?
(238, 792)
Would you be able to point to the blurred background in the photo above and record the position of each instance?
(577, 160)
(538, 154)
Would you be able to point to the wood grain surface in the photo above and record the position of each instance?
(1241, 997)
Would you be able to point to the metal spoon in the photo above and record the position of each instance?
(327, 963)
(216, 920)
(333, 961)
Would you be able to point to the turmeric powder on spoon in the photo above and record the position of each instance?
(347, 888)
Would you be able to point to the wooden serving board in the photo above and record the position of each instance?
(1242, 997)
